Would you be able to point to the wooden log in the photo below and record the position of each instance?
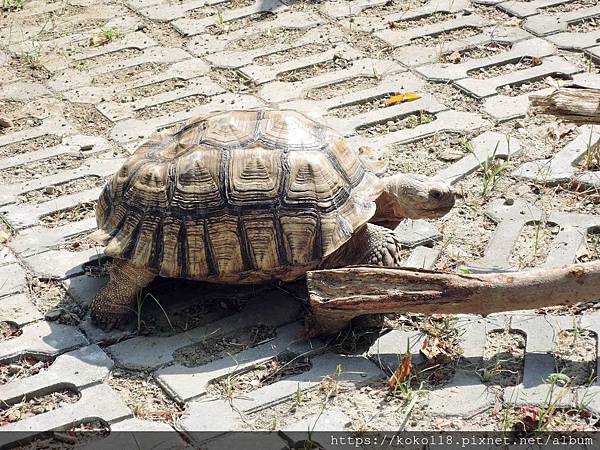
(572, 104)
(338, 295)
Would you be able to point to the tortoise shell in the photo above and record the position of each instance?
(238, 196)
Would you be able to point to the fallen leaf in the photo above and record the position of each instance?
(560, 129)
(401, 97)
(402, 372)
(4, 236)
(529, 418)
(454, 58)
(535, 61)
(98, 39)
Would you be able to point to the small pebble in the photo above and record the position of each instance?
(5, 122)
(509, 201)
(53, 314)
(49, 190)
(13, 369)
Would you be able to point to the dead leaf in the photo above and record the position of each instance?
(402, 372)
(4, 236)
(529, 418)
(98, 39)
(535, 61)
(401, 97)
(454, 58)
(560, 129)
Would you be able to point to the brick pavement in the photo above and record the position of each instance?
(79, 110)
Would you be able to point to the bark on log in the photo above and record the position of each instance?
(572, 104)
(338, 295)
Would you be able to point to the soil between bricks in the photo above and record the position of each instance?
(466, 230)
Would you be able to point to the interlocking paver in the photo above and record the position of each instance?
(524, 8)
(563, 165)
(588, 395)
(319, 38)
(529, 48)
(330, 420)
(12, 279)
(487, 146)
(201, 87)
(34, 240)
(23, 215)
(28, 31)
(98, 401)
(553, 65)
(351, 125)
(445, 121)
(131, 131)
(54, 125)
(21, 91)
(132, 41)
(18, 309)
(187, 69)
(404, 37)
(6, 256)
(186, 383)
(192, 27)
(543, 24)
(280, 91)
(76, 145)
(369, 23)
(154, 351)
(422, 258)
(137, 433)
(511, 217)
(45, 338)
(395, 79)
(353, 369)
(264, 74)
(284, 22)
(539, 363)
(170, 61)
(413, 233)
(575, 41)
(414, 55)
(570, 238)
(61, 264)
(79, 369)
(505, 107)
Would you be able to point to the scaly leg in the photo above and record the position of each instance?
(116, 302)
(372, 245)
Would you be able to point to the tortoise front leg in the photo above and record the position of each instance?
(373, 245)
(116, 302)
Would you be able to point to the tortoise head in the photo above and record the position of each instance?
(412, 196)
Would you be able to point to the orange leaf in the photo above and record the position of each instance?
(400, 97)
(402, 372)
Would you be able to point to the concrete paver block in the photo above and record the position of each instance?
(79, 369)
(45, 338)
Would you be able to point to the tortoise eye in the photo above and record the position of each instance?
(437, 195)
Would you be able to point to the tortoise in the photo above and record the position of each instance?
(250, 197)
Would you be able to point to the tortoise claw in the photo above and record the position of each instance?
(109, 321)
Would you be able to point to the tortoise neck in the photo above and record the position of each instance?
(386, 211)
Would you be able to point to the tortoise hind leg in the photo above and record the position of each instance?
(115, 303)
